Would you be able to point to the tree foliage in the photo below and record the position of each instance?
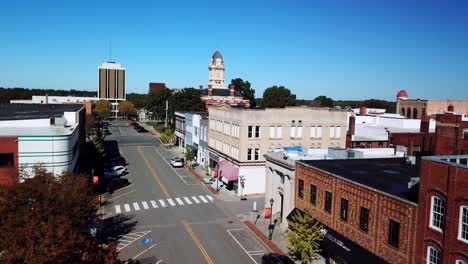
(188, 100)
(126, 108)
(156, 103)
(138, 100)
(189, 155)
(278, 97)
(323, 101)
(102, 108)
(304, 237)
(244, 87)
(47, 219)
(167, 136)
(7, 94)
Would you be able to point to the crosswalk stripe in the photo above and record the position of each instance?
(136, 206)
(179, 201)
(162, 203)
(187, 200)
(202, 198)
(117, 209)
(171, 202)
(209, 197)
(195, 199)
(145, 205)
(154, 204)
(127, 207)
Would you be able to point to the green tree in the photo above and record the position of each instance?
(304, 236)
(244, 87)
(102, 108)
(156, 103)
(323, 101)
(139, 100)
(278, 97)
(126, 108)
(47, 219)
(188, 100)
(167, 136)
(189, 155)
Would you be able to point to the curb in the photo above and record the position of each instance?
(200, 179)
(273, 247)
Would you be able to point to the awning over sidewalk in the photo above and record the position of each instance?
(228, 171)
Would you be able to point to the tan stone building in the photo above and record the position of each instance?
(111, 83)
(415, 108)
(239, 137)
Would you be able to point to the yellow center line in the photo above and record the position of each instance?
(197, 242)
(154, 174)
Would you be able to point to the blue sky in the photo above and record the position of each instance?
(341, 49)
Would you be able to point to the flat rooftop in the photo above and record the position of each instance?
(37, 131)
(453, 160)
(35, 111)
(388, 175)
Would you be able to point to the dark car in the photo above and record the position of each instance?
(273, 258)
(134, 124)
(116, 184)
(142, 130)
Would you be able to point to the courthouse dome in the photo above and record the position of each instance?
(402, 94)
(217, 55)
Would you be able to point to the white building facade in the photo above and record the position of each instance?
(216, 71)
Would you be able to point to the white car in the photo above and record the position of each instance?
(118, 168)
(177, 163)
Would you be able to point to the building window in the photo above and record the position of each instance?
(249, 154)
(437, 213)
(465, 133)
(299, 132)
(313, 194)
(250, 131)
(256, 152)
(301, 189)
(7, 159)
(257, 131)
(272, 131)
(364, 219)
(415, 113)
(394, 233)
(344, 209)
(292, 132)
(402, 111)
(433, 256)
(408, 112)
(279, 131)
(459, 261)
(463, 224)
(328, 201)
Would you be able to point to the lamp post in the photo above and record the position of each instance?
(270, 227)
(217, 180)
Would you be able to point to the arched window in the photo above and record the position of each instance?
(408, 112)
(415, 113)
(437, 215)
(433, 256)
(402, 111)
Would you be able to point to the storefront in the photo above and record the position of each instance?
(340, 250)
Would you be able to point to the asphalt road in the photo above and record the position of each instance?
(166, 216)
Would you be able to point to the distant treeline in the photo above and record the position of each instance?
(7, 94)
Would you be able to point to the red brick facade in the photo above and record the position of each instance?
(451, 184)
(9, 175)
(449, 136)
(416, 143)
(382, 208)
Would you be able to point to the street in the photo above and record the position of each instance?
(166, 216)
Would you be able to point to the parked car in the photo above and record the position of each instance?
(117, 184)
(118, 169)
(177, 163)
(111, 174)
(273, 258)
(142, 130)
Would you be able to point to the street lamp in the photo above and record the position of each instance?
(270, 236)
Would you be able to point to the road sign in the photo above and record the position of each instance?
(146, 241)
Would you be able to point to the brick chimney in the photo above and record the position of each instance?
(231, 90)
(352, 125)
(424, 127)
(362, 110)
(450, 108)
(210, 90)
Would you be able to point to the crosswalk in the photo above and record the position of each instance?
(163, 203)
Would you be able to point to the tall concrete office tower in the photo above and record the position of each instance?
(112, 84)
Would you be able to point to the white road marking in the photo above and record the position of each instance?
(154, 204)
(145, 205)
(123, 194)
(127, 207)
(179, 201)
(240, 245)
(117, 209)
(144, 251)
(162, 203)
(130, 238)
(171, 202)
(187, 200)
(203, 198)
(195, 199)
(209, 197)
(136, 206)
(180, 176)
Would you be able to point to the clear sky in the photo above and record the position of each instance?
(341, 49)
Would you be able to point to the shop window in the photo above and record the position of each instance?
(463, 224)
(433, 256)
(313, 194)
(301, 189)
(7, 159)
(437, 213)
(328, 201)
(344, 209)
(394, 233)
(364, 219)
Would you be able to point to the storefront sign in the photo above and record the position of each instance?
(334, 239)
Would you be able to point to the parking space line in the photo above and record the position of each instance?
(154, 204)
(202, 198)
(136, 206)
(163, 204)
(171, 202)
(127, 207)
(145, 205)
(144, 251)
(195, 199)
(187, 200)
(130, 238)
(240, 245)
(117, 209)
(179, 201)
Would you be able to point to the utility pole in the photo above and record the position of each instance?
(167, 106)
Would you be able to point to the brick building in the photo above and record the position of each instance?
(442, 236)
(368, 212)
(155, 87)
